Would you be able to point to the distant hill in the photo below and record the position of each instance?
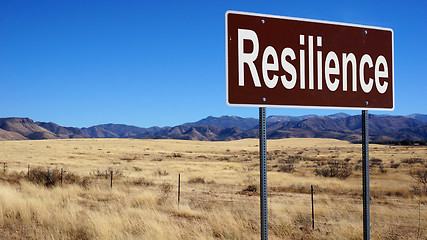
(7, 135)
(382, 128)
(349, 128)
(119, 130)
(275, 118)
(421, 117)
(227, 122)
(23, 128)
(63, 132)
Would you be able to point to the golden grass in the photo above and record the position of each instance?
(143, 201)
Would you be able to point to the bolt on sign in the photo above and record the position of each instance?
(275, 61)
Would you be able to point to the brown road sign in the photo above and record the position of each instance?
(275, 61)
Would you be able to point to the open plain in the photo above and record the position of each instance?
(218, 190)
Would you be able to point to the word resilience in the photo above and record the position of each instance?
(331, 66)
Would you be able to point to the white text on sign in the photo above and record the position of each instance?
(330, 69)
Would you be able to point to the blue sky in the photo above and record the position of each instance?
(162, 63)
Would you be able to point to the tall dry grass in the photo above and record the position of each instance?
(143, 201)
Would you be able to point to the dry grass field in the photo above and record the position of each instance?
(219, 189)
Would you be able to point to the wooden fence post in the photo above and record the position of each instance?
(111, 183)
(179, 188)
(312, 207)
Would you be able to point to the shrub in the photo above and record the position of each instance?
(42, 177)
(287, 168)
(49, 177)
(12, 177)
(129, 158)
(100, 173)
(303, 221)
(165, 189)
(85, 182)
(419, 175)
(334, 168)
(294, 158)
(394, 165)
(419, 190)
(196, 180)
(106, 173)
(142, 182)
(137, 169)
(413, 161)
(70, 178)
(382, 170)
(375, 161)
(160, 173)
(251, 188)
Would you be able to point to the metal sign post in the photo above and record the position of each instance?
(365, 174)
(263, 172)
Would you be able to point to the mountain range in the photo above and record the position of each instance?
(382, 128)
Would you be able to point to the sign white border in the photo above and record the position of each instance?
(304, 20)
